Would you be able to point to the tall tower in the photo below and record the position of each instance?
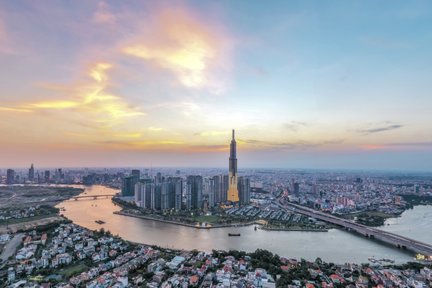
(31, 173)
(233, 194)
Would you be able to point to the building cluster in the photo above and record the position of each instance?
(193, 192)
(31, 176)
(341, 192)
(8, 214)
(319, 274)
(349, 194)
(181, 193)
(106, 261)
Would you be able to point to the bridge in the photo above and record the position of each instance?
(91, 196)
(370, 232)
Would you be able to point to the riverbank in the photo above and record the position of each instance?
(298, 229)
(197, 226)
(334, 246)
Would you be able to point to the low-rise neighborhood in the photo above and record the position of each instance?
(67, 255)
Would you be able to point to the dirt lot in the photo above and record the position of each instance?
(30, 224)
(24, 196)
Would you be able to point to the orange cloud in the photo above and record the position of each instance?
(183, 45)
(93, 101)
(371, 147)
(10, 109)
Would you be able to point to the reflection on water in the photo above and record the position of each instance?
(335, 246)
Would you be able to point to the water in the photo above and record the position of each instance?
(334, 246)
(414, 223)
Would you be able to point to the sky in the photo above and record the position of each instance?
(305, 84)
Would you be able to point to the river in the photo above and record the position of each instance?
(334, 246)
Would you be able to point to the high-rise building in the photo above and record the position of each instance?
(244, 190)
(155, 198)
(165, 189)
(136, 173)
(178, 195)
(128, 186)
(10, 176)
(210, 189)
(143, 193)
(296, 189)
(220, 188)
(233, 194)
(47, 176)
(31, 173)
(195, 185)
(175, 193)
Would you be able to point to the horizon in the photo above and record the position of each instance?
(241, 170)
(321, 85)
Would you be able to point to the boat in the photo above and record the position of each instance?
(386, 260)
(100, 222)
(233, 234)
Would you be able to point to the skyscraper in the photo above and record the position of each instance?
(233, 194)
(31, 173)
(244, 190)
(136, 173)
(129, 182)
(128, 186)
(47, 176)
(10, 177)
(195, 191)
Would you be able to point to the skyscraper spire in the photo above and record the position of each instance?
(232, 190)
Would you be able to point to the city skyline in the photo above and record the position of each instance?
(306, 85)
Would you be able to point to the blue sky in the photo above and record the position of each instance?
(317, 84)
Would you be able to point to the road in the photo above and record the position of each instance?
(11, 246)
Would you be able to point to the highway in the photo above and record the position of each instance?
(370, 232)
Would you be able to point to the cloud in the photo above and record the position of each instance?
(380, 129)
(178, 42)
(12, 109)
(5, 41)
(280, 145)
(103, 14)
(412, 144)
(145, 145)
(397, 146)
(213, 133)
(92, 102)
(372, 147)
(295, 125)
(155, 129)
(208, 148)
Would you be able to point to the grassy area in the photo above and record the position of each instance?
(208, 219)
(73, 270)
(369, 214)
(23, 220)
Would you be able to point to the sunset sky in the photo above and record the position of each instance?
(306, 84)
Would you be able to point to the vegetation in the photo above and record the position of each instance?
(369, 218)
(373, 219)
(413, 200)
(207, 218)
(73, 270)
